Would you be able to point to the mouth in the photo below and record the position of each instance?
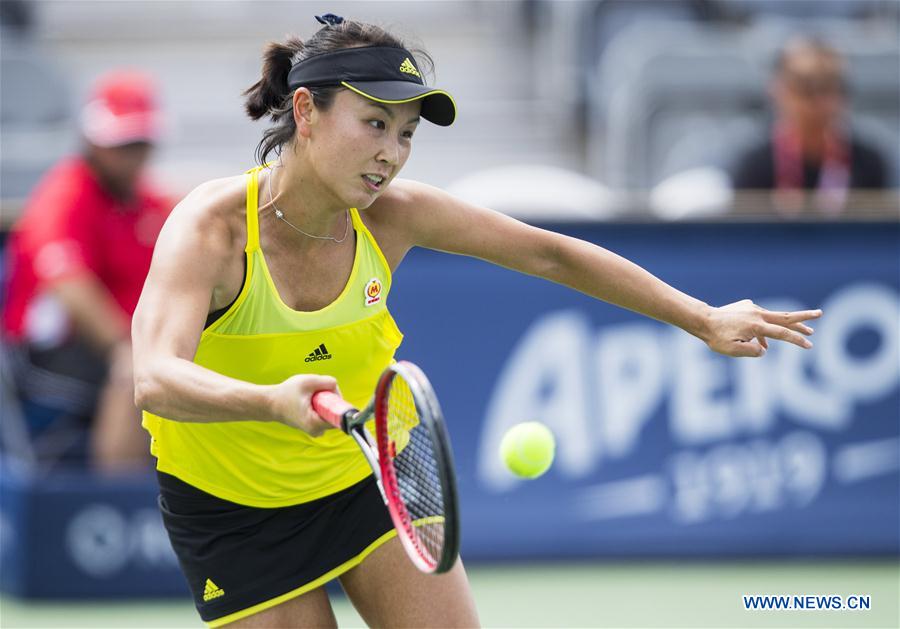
(374, 182)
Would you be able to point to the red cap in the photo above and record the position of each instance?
(122, 109)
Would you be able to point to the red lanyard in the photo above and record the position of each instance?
(834, 173)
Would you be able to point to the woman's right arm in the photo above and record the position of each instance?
(193, 250)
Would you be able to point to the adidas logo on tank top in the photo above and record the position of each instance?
(320, 353)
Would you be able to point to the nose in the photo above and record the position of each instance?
(390, 152)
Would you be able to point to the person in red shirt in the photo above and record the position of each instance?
(76, 263)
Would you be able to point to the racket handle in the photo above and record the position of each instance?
(332, 407)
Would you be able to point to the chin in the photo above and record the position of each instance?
(366, 203)
(362, 201)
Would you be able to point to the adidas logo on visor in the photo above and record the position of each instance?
(408, 67)
(320, 353)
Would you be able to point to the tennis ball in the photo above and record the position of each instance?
(527, 449)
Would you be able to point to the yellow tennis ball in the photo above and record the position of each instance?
(527, 449)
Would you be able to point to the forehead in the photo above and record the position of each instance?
(399, 111)
(812, 62)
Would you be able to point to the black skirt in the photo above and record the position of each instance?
(240, 560)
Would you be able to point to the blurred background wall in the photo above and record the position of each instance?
(628, 94)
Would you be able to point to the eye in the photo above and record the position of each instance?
(377, 124)
(408, 135)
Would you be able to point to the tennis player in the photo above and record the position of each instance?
(269, 286)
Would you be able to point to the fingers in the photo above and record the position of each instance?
(783, 334)
(799, 327)
(746, 349)
(314, 382)
(787, 319)
(787, 322)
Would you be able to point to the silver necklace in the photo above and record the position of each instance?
(280, 215)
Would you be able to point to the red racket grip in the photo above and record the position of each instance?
(331, 407)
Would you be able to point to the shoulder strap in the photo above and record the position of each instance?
(361, 228)
(253, 209)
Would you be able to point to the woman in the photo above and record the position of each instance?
(253, 274)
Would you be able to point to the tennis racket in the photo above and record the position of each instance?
(411, 459)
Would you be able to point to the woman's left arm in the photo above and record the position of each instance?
(435, 219)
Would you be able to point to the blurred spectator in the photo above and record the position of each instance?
(810, 156)
(76, 263)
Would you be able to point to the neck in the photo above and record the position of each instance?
(813, 144)
(814, 140)
(303, 199)
(121, 192)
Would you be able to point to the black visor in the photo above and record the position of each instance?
(380, 73)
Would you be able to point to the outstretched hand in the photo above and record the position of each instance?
(742, 328)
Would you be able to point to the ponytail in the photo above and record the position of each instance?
(267, 95)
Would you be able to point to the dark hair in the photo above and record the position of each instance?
(270, 95)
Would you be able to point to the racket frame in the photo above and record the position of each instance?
(431, 419)
(347, 418)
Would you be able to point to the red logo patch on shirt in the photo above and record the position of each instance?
(373, 291)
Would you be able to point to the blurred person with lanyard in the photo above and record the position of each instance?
(810, 148)
(77, 259)
(262, 502)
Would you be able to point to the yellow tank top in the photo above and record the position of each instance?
(260, 339)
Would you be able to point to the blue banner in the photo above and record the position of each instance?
(76, 535)
(663, 447)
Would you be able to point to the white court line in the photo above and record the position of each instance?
(859, 461)
(620, 499)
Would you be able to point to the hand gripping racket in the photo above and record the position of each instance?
(411, 460)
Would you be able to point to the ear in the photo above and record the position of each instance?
(303, 111)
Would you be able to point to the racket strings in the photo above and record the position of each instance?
(418, 476)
